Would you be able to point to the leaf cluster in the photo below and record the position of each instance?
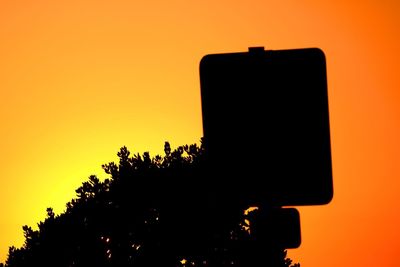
(151, 211)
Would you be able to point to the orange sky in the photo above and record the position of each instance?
(80, 79)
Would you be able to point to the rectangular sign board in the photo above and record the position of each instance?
(266, 126)
(278, 227)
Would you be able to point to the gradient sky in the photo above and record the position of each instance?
(80, 79)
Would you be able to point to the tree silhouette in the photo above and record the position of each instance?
(150, 212)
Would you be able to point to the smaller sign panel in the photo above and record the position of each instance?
(266, 126)
(278, 227)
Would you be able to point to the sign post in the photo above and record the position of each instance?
(266, 132)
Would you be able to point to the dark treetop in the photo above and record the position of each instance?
(152, 211)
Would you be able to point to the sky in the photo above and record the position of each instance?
(80, 79)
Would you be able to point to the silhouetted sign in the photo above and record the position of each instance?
(278, 227)
(266, 126)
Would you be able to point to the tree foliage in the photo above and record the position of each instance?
(151, 211)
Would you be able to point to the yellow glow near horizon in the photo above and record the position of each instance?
(80, 79)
